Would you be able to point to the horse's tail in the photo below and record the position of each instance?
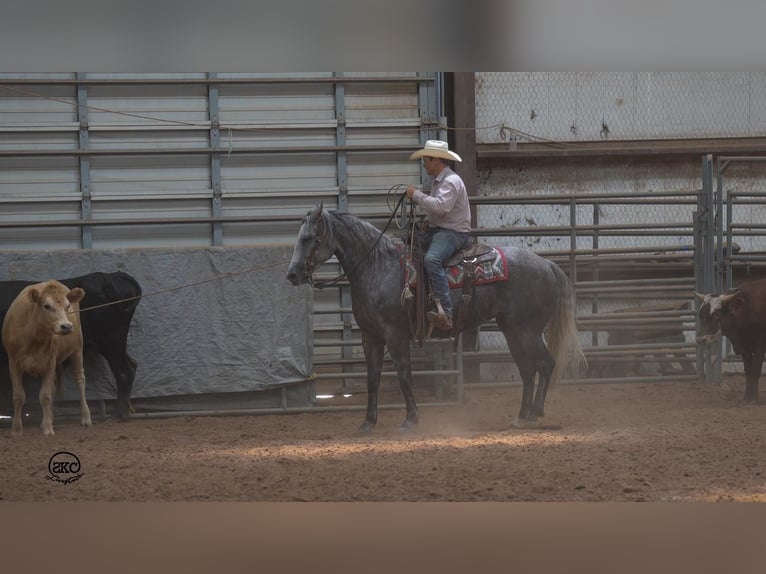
(563, 341)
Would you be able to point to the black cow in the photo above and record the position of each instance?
(104, 330)
(740, 315)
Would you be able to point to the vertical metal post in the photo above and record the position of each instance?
(572, 239)
(720, 168)
(720, 262)
(429, 98)
(215, 159)
(706, 366)
(594, 302)
(727, 280)
(340, 140)
(713, 263)
(459, 368)
(341, 169)
(702, 368)
(429, 109)
(708, 214)
(439, 95)
(707, 225)
(428, 102)
(464, 120)
(86, 234)
(441, 129)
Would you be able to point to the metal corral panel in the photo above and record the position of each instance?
(581, 177)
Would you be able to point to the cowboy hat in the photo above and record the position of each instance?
(436, 148)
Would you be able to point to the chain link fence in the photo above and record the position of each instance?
(594, 106)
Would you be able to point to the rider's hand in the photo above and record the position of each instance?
(410, 191)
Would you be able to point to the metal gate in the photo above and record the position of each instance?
(732, 240)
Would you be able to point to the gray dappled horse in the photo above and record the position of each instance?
(538, 295)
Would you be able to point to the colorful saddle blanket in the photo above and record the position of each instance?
(488, 268)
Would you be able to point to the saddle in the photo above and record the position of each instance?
(472, 252)
(462, 270)
(471, 256)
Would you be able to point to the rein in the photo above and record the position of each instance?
(178, 287)
(321, 284)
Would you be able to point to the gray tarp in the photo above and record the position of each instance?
(251, 331)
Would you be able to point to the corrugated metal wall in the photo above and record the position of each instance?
(164, 148)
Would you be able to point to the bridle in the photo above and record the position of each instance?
(308, 260)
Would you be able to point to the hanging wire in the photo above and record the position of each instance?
(504, 130)
(186, 285)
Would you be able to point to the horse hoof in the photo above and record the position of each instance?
(536, 424)
(518, 423)
(365, 428)
(408, 425)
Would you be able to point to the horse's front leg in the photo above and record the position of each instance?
(400, 353)
(373, 354)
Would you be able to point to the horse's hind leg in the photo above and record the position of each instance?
(373, 354)
(545, 365)
(524, 348)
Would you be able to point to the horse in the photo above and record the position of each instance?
(536, 297)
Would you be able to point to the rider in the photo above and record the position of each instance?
(449, 222)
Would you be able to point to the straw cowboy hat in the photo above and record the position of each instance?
(436, 148)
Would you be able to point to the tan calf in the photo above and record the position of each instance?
(42, 330)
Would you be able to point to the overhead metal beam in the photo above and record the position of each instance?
(219, 81)
(689, 147)
(206, 151)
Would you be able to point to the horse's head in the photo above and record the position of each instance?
(314, 246)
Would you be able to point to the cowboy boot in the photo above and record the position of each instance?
(439, 318)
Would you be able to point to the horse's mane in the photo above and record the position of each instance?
(364, 235)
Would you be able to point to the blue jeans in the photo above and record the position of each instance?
(444, 244)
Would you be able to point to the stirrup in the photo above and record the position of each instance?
(434, 316)
(441, 322)
(439, 318)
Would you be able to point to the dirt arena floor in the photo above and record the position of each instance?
(617, 442)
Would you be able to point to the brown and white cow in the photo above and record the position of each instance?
(42, 330)
(740, 315)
